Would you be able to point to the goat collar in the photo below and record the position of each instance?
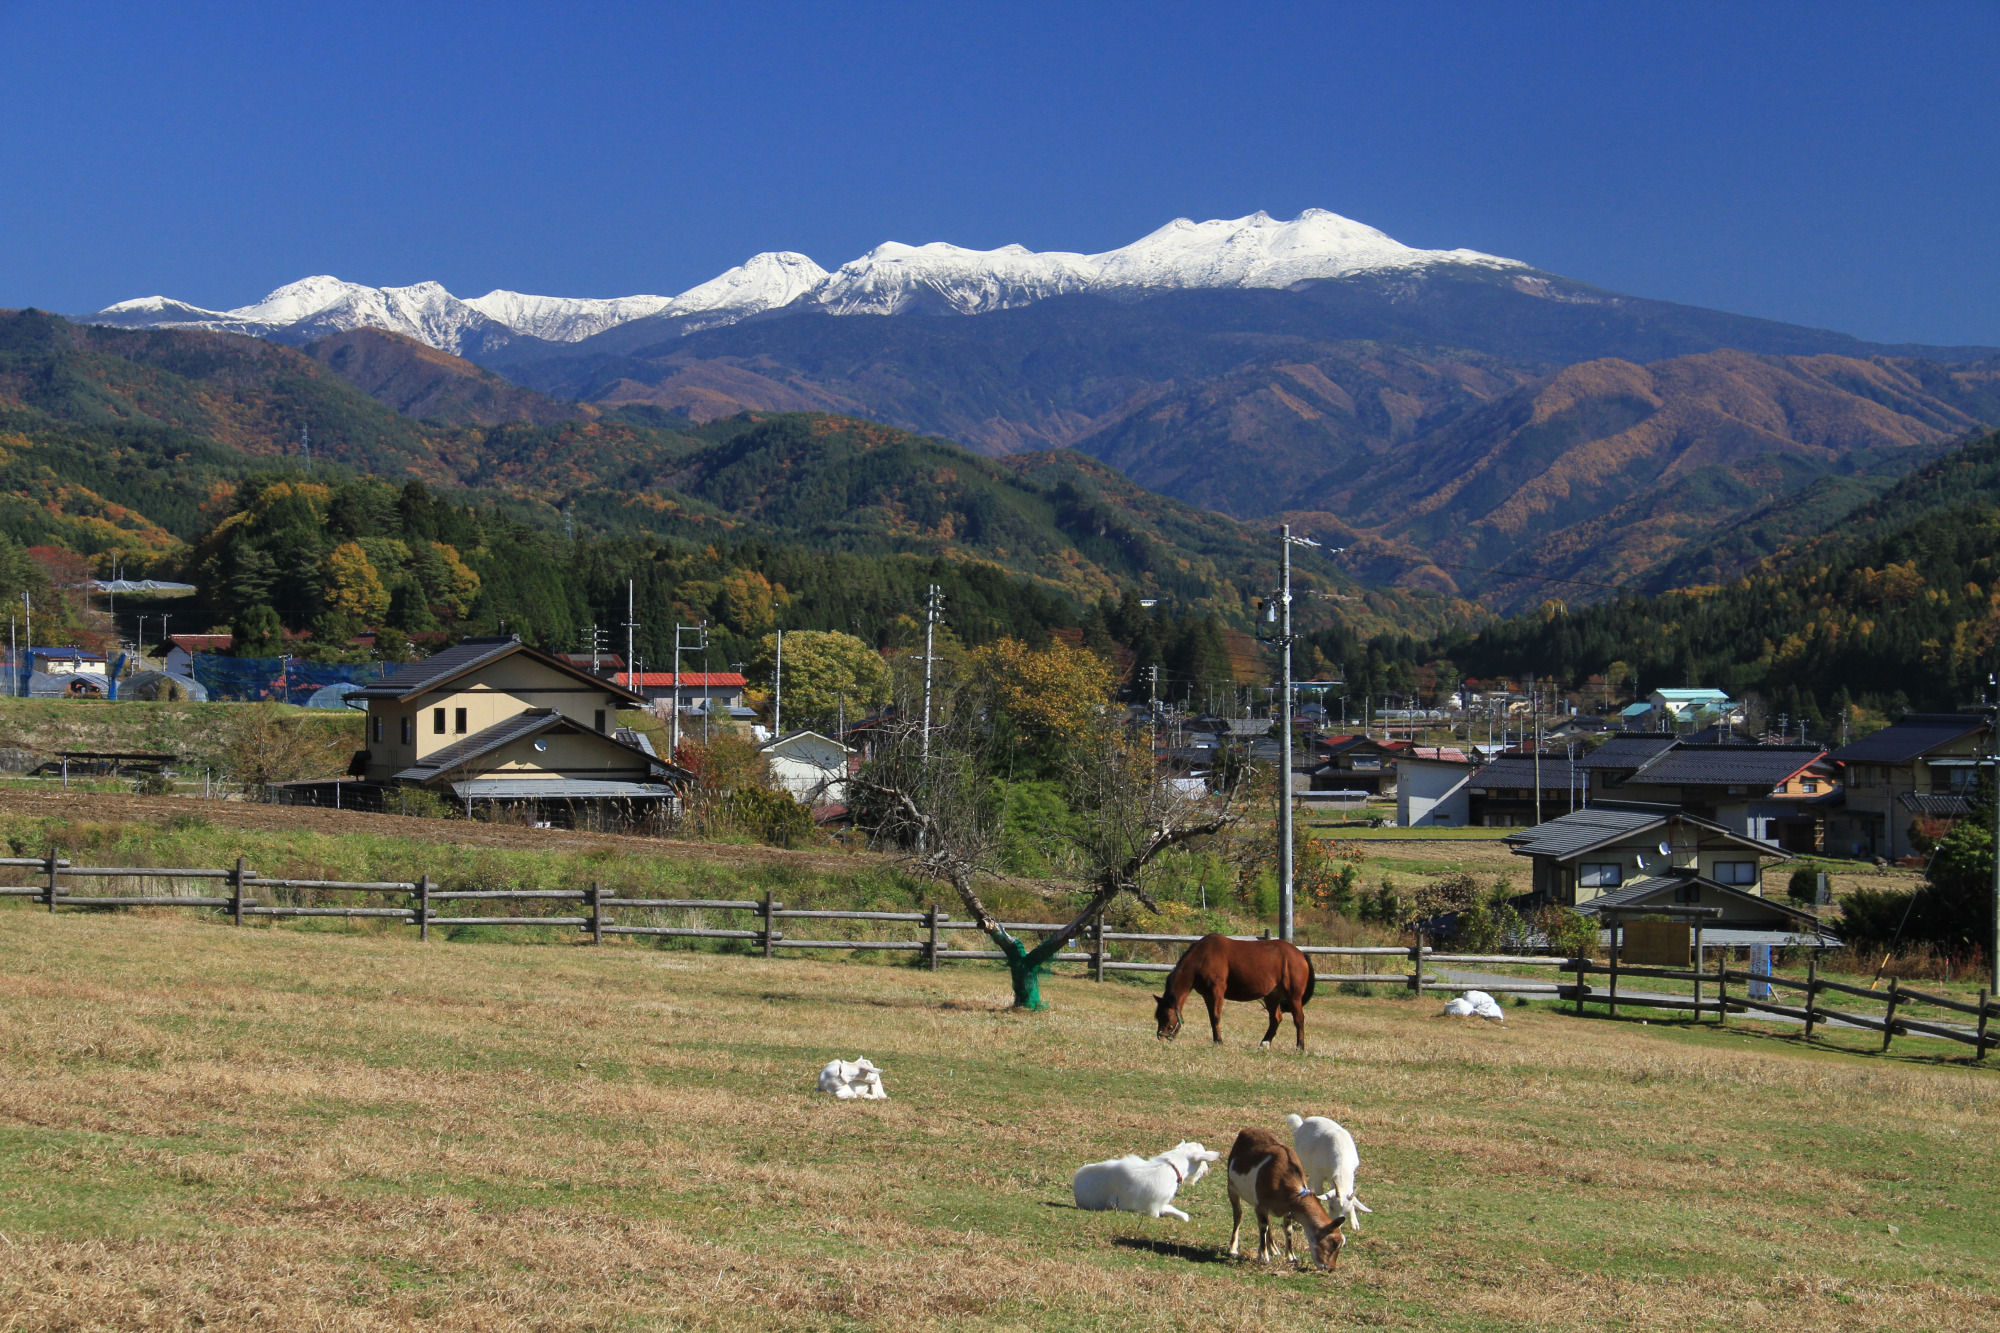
(1305, 1192)
(1179, 1179)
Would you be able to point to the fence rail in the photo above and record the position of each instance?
(1094, 942)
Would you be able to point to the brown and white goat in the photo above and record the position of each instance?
(1264, 1171)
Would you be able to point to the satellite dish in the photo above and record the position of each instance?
(1666, 849)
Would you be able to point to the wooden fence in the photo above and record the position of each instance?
(766, 919)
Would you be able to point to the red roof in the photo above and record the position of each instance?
(664, 680)
(201, 643)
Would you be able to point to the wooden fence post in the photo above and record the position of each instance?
(1980, 1049)
(1097, 954)
(1812, 988)
(1697, 969)
(1580, 964)
(236, 892)
(1617, 934)
(423, 907)
(52, 881)
(1889, 1018)
(1722, 987)
(596, 915)
(769, 906)
(931, 950)
(1417, 966)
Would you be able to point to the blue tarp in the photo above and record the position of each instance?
(280, 679)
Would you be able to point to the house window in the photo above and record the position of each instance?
(437, 721)
(1735, 872)
(1688, 893)
(1600, 875)
(1808, 786)
(600, 719)
(458, 720)
(409, 729)
(378, 730)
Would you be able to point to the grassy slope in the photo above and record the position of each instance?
(298, 1129)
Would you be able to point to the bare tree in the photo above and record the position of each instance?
(945, 812)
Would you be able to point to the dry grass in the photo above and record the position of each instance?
(267, 1128)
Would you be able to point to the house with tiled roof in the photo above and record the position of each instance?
(495, 721)
(1501, 793)
(1631, 856)
(1923, 768)
(1777, 793)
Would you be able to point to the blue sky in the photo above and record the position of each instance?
(1830, 164)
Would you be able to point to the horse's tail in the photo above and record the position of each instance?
(1311, 980)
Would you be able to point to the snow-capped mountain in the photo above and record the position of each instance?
(564, 319)
(893, 278)
(769, 281)
(1261, 251)
(947, 279)
(314, 307)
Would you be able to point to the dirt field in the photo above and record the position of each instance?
(288, 1129)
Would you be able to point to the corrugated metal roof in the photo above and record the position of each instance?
(1627, 751)
(1518, 770)
(1583, 830)
(1911, 735)
(550, 789)
(1644, 892)
(1943, 807)
(1707, 765)
(415, 676)
(688, 679)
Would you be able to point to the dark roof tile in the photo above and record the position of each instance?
(1911, 735)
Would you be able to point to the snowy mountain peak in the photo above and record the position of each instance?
(768, 281)
(564, 319)
(893, 278)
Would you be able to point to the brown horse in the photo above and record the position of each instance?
(1221, 968)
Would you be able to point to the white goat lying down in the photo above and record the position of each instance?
(849, 1079)
(1475, 1003)
(1141, 1185)
(1326, 1151)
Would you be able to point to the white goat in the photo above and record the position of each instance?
(1141, 1185)
(1326, 1151)
(1475, 1003)
(849, 1080)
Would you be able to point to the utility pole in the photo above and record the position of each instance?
(933, 606)
(1993, 936)
(778, 691)
(701, 641)
(1284, 608)
(1535, 712)
(630, 625)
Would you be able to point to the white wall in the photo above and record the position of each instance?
(1430, 794)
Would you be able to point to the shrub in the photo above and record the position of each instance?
(1803, 887)
(152, 784)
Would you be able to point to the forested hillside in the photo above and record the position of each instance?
(1456, 425)
(182, 454)
(1895, 606)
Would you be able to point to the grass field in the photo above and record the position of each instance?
(289, 1129)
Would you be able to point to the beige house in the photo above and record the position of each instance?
(496, 720)
(1923, 768)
